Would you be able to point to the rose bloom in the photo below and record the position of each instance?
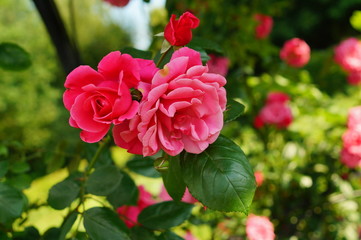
(118, 3)
(129, 214)
(279, 97)
(354, 77)
(264, 26)
(351, 160)
(184, 107)
(352, 140)
(348, 54)
(259, 178)
(97, 99)
(258, 227)
(354, 118)
(295, 52)
(218, 65)
(278, 114)
(179, 32)
(189, 236)
(187, 197)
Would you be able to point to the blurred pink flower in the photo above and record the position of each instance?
(259, 177)
(218, 65)
(184, 107)
(118, 3)
(189, 236)
(350, 159)
(259, 228)
(354, 118)
(279, 97)
(295, 52)
(130, 213)
(187, 197)
(264, 26)
(354, 77)
(348, 54)
(352, 140)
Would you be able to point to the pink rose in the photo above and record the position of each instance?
(354, 77)
(184, 107)
(354, 118)
(187, 197)
(258, 227)
(264, 26)
(189, 236)
(259, 178)
(350, 159)
(179, 32)
(278, 97)
(130, 213)
(218, 65)
(295, 52)
(118, 3)
(348, 54)
(97, 99)
(352, 140)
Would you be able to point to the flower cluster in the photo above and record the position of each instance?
(348, 56)
(351, 152)
(295, 52)
(276, 111)
(258, 227)
(264, 26)
(118, 3)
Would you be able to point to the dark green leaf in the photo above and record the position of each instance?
(12, 203)
(233, 111)
(103, 224)
(126, 192)
(168, 235)
(220, 177)
(4, 236)
(13, 57)
(104, 180)
(140, 233)
(104, 158)
(20, 167)
(165, 60)
(4, 167)
(62, 194)
(165, 215)
(66, 226)
(136, 53)
(80, 236)
(21, 181)
(52, 234)
(143, 166)
(30, 233)
(206, 44)
(173, 180)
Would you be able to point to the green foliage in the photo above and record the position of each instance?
(67, 224)
(234, 110)
(143, 166)
(104, 180)
(220, 177)
(165, 215)
(13, 57)
(355, 20)
(103, 224)
(62, 194)
(173, 179)
(12, 203)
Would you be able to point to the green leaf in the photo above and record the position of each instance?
(21, 181)
(30, 233)
(13, 57)
(143, 166)
(103, 224)
(104, 180)
(4, 236)
(206, 44)
(233, 111)
(51, 234)
(165, 215)
(12, 203)
(168, 235)
(4, 167)
(62, 194)
(19, 167)
(355, 20)
(173, 180)
(126, 192)
(136, 53)
(67, 224)
(140, 233)
(220, 177)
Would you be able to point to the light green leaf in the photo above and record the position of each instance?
(220, 177)
(355, 20)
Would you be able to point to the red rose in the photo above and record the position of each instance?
(264, 27)
(295, 52)
(178, 32)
